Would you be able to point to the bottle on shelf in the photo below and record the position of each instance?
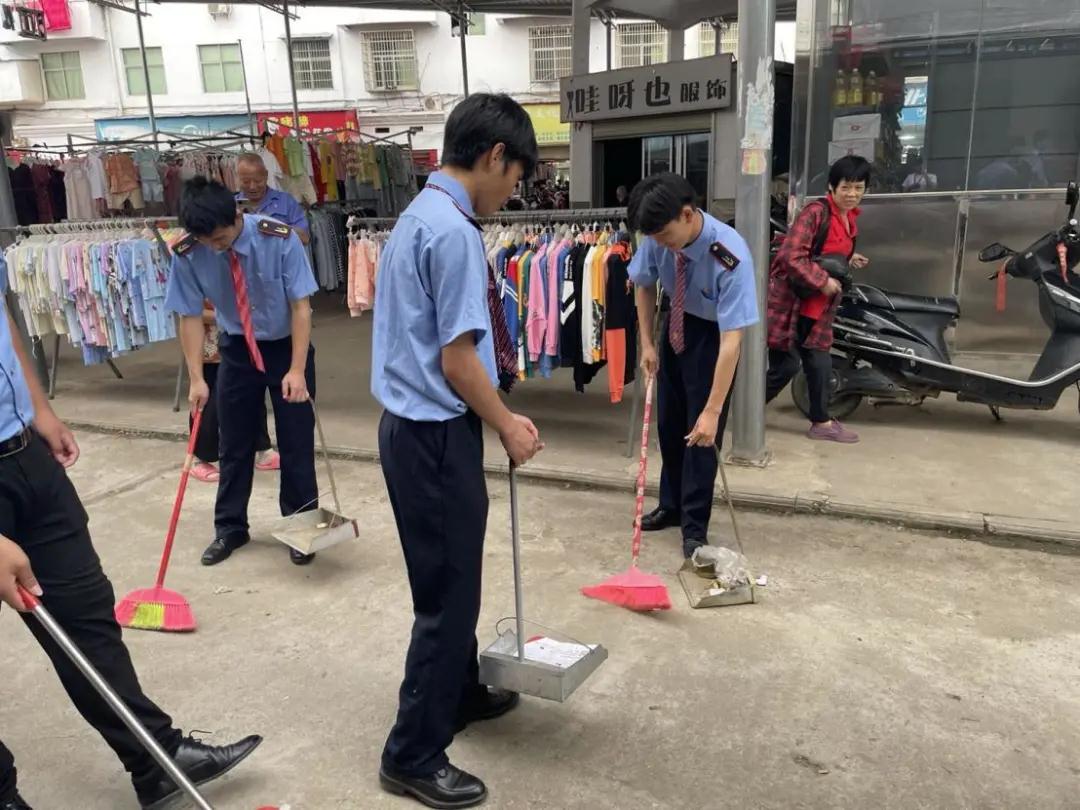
(872, 91)
(840, 90)
(855, 89)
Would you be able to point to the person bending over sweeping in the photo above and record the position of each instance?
(45, 546)
(434, 370)
(256, 273)
(707, 275)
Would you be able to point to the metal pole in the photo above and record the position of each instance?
(292, 67)
(146, 74)
(608, 25)
(756, 80)
(463, 27)
(247, 95)
(515, 538)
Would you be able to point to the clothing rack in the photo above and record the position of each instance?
(579, 215)
(91, 226)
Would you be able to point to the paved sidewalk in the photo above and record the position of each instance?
(944, 465)
(883, 669)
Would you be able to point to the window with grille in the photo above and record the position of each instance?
(642, 44)
(311, 64)
(63, 76)
(133, 71)
(549, 52)
(729, 40)
(389, 60)
(222, 71)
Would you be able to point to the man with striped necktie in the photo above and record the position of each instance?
(707, 274)
(255, 272)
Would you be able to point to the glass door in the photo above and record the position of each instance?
(687, 155)
(657, 155)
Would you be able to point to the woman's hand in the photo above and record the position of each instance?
(858, 261)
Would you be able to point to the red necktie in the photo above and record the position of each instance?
(676, 325)
(243, 306)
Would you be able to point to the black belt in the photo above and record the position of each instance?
(16, 444)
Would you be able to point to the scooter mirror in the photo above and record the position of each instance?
(994, 252)
(1072, 197)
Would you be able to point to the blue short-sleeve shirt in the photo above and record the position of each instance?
(16, 407)
(276, 272)
(283, 207)
(713, 292)
(432, 289)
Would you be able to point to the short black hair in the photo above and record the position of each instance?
(483, 120)
(205, 206)
(852, 168)
(658, 200)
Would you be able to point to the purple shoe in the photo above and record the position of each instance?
(833, 432)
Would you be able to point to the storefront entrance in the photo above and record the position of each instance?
(625, 161)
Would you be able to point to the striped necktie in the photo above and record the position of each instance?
(677, 323)
(243, 306)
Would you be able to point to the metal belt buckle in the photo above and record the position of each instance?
(16, 444)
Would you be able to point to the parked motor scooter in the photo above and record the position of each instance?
(892, 347)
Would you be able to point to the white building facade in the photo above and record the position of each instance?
(392, 69)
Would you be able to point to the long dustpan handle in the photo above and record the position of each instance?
(727, 497)
(152, 746)
(326, 456)
(174, 519)
(639, 506)
(515, 535)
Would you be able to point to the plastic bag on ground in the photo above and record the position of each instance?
(729, 568)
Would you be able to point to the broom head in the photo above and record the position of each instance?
(632, 589)
(155, 609)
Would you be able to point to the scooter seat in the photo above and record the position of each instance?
(901, 302)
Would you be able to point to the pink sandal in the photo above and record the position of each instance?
(270, 461)
(206, 472)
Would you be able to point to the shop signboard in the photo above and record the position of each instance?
(690, 86)
(311, 121)
(191, 126)
(547, 123)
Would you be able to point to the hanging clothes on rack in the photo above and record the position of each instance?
(328, 247)
(103, 289)
(366, 241)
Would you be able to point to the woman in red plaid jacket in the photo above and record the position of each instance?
(800, 328)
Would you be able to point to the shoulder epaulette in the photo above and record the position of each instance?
(268, 227)
(724, 256)
(184, 244)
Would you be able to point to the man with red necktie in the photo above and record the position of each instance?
(255, 272)
(707, 274)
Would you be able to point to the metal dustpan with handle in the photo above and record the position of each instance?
(320, 528)
(543, 667)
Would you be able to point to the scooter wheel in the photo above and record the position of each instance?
(840, 406)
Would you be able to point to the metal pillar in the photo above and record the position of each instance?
(756, 81)
(609, 27)
(581, 142)
(146, 74)
(463, 31)
(676, 44)
(247, 96)
(292, 67)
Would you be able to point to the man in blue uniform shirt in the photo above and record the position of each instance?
(45, 546)
(707, 274)
(256, 274)
(434, 371)
(258, 198)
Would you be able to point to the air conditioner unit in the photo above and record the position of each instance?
(219, 9)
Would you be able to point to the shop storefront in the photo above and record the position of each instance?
(671, 117)
(970, 111)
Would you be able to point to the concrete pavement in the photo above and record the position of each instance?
(884, 668)
(944, 465)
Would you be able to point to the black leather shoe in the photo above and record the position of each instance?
(689, 546)
(448, 788)
(660, 518)
(494, 703)
(223, 547)
(201, 763)
(16, 802)
(299, 557)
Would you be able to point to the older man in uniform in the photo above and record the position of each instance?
(434, 371)
(707, 272)
(255, 272)
(45, 546)
(258, 198)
